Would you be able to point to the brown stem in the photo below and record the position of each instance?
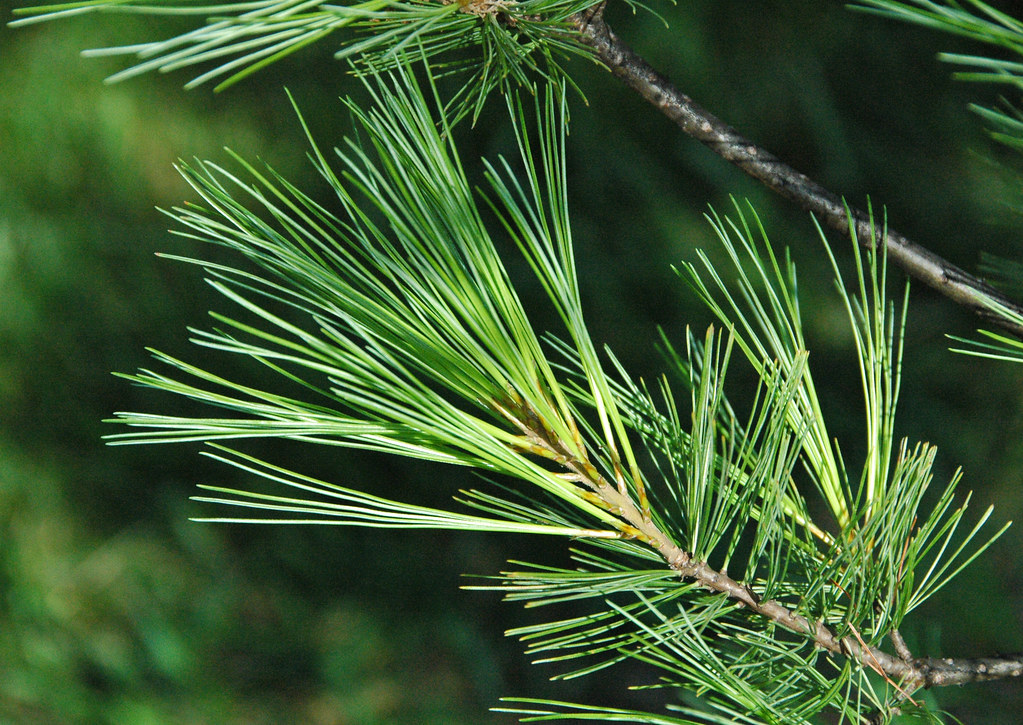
(828, 207)
(908, 673)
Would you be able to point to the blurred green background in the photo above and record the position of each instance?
(114, 608)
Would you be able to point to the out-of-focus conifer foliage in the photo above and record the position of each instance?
(114, 608)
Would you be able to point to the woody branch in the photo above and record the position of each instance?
(919, 262)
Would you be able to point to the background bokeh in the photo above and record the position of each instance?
(115, 608)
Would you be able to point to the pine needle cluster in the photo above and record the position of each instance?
(492, 44)
(701, 548)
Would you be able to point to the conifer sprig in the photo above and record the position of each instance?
(390, 323)
(492, 43)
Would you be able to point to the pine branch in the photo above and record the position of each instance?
(912, 674)
(919, 262)
(413, 341)
(635, 522)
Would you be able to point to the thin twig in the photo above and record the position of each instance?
(919, 262)
(901, 649)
